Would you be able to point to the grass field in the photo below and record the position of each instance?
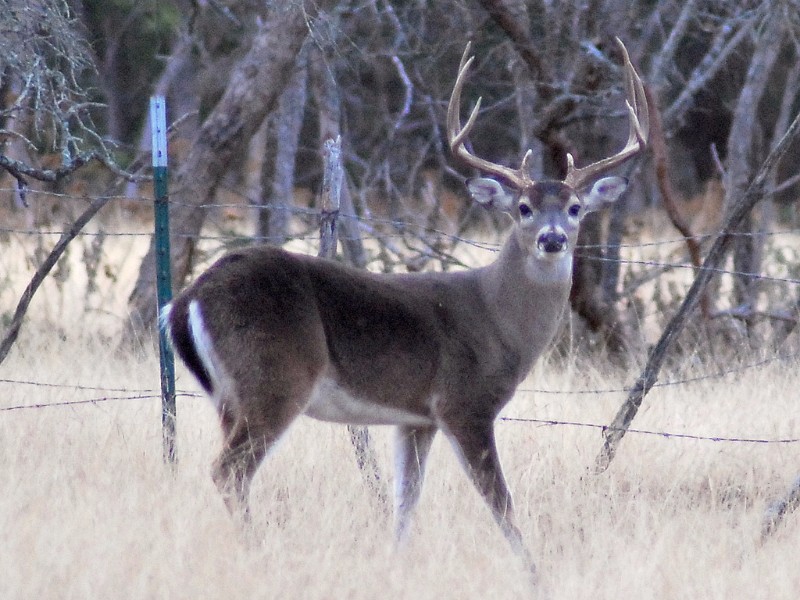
(89, 510)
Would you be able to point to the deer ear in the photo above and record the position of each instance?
(490, 194)
(604, 192)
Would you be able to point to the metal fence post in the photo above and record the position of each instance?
(158, 124)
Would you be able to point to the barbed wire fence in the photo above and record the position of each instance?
(401, 230)
(153, 394)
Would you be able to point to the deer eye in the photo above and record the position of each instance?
(525, 210)
(574, 210)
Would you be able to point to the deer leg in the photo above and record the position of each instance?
(243, 451)
(412, 446)
(259, 422)
(475, 446)
(227, 420)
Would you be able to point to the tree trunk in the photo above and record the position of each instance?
(284, 136)
(330, 114)
(587, 297)
(252, 92)
(743, 140)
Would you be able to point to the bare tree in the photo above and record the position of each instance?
(754, 193)
(47, 131)
(745, 144)
(47, 128)
(280, 153)
(252, 92)
(547, 75)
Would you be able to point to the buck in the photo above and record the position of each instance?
(271, 335)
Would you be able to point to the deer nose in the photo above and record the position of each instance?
(552, 241)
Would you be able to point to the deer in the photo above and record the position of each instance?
(271, 335)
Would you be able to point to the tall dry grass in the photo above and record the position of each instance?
(89, 510)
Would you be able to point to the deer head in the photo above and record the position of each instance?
(548, 212)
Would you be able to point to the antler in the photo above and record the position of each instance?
(456, 134)
(639, 130)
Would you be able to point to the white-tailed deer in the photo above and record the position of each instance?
(272, 335)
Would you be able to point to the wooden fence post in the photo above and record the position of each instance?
(329, 212)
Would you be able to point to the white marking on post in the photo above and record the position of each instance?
(158, 128)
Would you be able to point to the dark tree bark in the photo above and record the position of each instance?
(330, 115)
(283, 139)
(252, 92)
(587, 297)
(513, 18)
(741, 159)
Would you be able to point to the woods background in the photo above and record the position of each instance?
(691, 505)
(255, 88)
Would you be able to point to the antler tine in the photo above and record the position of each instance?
(638, 130)
(456, 134)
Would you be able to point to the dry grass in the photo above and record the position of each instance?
(89, 510)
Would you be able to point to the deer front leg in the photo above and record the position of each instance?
(412, 446)
(474, 443)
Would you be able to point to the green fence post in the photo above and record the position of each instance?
(158, 124)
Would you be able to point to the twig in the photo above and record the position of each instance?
(42, 272)
(409, 92)
(20, 170)
(779, 509)
(721, 48)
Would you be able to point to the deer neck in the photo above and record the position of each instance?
(526, 296)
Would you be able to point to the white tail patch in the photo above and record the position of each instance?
(203, 345)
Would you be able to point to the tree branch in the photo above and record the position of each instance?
(19, 170)
(44, 269)
(614, 433)
(661, 161)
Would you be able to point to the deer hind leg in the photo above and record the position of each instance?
(475, 446)
(412, 446)
(252, 425)
(244, 449)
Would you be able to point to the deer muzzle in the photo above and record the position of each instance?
(552, 241)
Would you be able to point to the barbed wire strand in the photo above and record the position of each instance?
(663, 434)
(480, 245)
(69, 386)
(252, 204)
(541, 422)
(625, 390)
(671, 383)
